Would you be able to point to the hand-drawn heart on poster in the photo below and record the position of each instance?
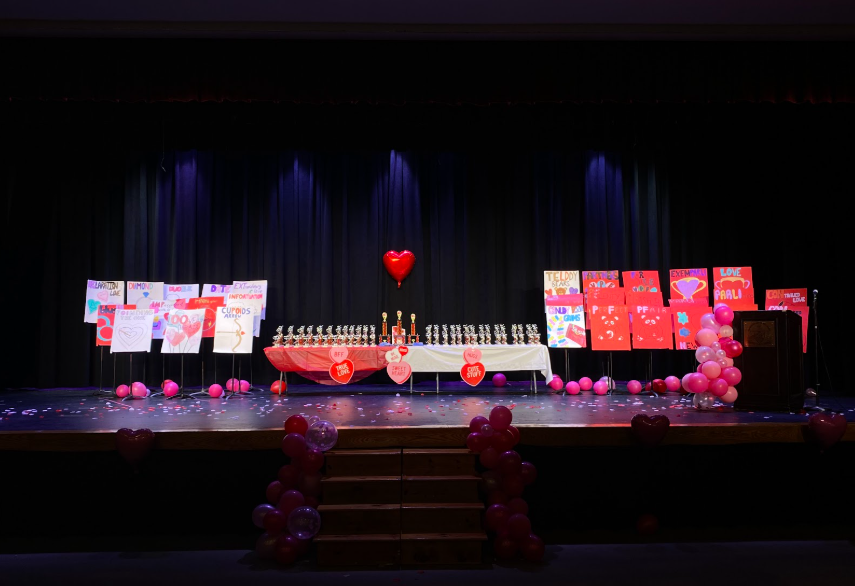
(102, 293)
(132, 330)
(183, 331)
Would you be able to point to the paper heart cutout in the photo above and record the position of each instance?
(191, 327)
(827, 429)
(650, 431)
(338, 353)
(129, 335)
(473, 374)
(472, 355)
(174, 336)
(393, 356)
(399, 371)
(103, 296)
(93, 305)
(342, 372)
(403, 350)
(134, 444)
(399, 264)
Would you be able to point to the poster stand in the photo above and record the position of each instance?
(131, 396)
(101, 390)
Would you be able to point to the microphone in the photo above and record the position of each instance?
(815, 292)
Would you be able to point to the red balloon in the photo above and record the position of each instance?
(528, 472)
(732, 349)
(647, 524)
(294, 445)
(399, 264)
(518, 506)
(490, 481)
(489, 458)
(477, 442)
(513, 485)
(312, 502)
(287, 549)
(724, 341)
(826, 429)
(509, 463)
(296, 424)
(497, 516)
(500, 418)
(276, 386)
(163, 384)
(532, 548)
(497, 497)
(288, 475)
(505, 547)
(275, 521)
(309, 483)
(648, 387)
(502, 441)
(274, 492)
(477, 423)
(313, 460)
(516, 433)
(518, 526)
(658, 385)
(290, 500)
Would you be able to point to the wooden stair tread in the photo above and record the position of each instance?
(363, 453)
(361, 479)
(367, 537)
(443, 537)
(357, 507)
(440, 452)
(476, 506)
(467, 477)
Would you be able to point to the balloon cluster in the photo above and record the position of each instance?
(291, 518)
(716, 376)
(137, 389)
(503, 481)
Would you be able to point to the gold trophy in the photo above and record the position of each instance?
(383, 334)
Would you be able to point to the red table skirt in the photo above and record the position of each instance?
(314, 363)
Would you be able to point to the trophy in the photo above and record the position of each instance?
(481, 334)
(301, 332)
(444, 335)
(428, 330)
(414, 337)
(400, 327)
(503, 333)
(277, 339)
(289, 337)
(459, 337)
(384, 333)
(371, 342)
(435, 334)
(309, 336)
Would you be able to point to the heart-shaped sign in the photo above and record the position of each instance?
(473, 373)
(650, 431)
(191, 327)
(472, 355)
(134, 444)
(338, 353)
(174, 336)
(399, 371)
(403, 350)
(393, 356)
(93, 305)
(342, 372)
(827, 429)
(129, 335)
(399, 264)
(103, 296)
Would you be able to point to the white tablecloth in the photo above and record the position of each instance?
(495, 358)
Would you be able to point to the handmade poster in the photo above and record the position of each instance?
(646, 298)
(785, 297)
(565, 321)
(249, 290)
(210, 305)
(607, 296)
(143, 291)
(642, 281)
(102, 293)
(182, 331)
(106, 319)
(687, 321)
(160, 307)
(609, 327)
(803, 311)
(233, 330)
(734, 286)
(651, 327)
(132, 330)
(600, 279)
(174, 292)
(560, 283)
(209, 290)
(689, 286)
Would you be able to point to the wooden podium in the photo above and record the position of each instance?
(772, 362)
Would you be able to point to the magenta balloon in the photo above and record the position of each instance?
(556, 384)
(215, 390)
(706, 336)
(601, 387)
(711, 369)
(123, 391)
(724, 315)
(633, 387)
(572, 387)
(718, 387)
(733, 349)
(672, 383)
(499, 380)
(139, 390)
(585, 383)
(170, 389)
(244, 386)
(698, 383)
(500, 418)
(732, 375)
(233, 385)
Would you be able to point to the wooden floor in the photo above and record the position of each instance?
(378, 416)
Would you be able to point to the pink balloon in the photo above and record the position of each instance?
(139, 390)
(700, 367)
(672, 383)
(633, 387)
(585, 383)
(711, 369)
(698, 383)
(556, 384)
(732, 375)
(170, 389)
(704, 353)
(706, 336)
(572, 387)
(724, 315)
(718, 387)
(123, 391)
(233, 385)
(717, 305)
(215, 390)
(244, 386)
(728, 361)
(685, 382)
(708, 321)
(730, 396)
(601, 387)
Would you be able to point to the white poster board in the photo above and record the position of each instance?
(560, 283)
(212, 290)
(233, 331)
(174, 292)
(132, 330)
(183, 331)
(139, 291)
(100, 293)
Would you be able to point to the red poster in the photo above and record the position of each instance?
(803, 311)
(651, 327)
(687, 321)
(106, 318)
(609, 327)
(600, 279)
(642, 282)
(646, 298)
(785, 297)
(607, 296)
(734, 286)
(688, 286)
(210, 305)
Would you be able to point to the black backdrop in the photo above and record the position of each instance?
(309, 196)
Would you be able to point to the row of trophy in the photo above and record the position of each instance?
(343, 336)
(457, 335)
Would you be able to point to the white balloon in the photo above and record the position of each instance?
(725, 331)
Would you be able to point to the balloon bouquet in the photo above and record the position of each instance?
(504, 479)
(291, 519)
(716, 376)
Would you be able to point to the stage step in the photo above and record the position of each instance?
(361, 490)
(358, 550)
(363, 463)
(441, 518)
(442, 548)
(438, 462)
(360, 519)
(439, 489)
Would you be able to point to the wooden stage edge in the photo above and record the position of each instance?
(615, 435)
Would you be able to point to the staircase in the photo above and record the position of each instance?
(400, 507)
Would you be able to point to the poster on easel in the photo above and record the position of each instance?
(102, 293)
(210, 305)
(609, 327)
(182, 331)
(106, 320)
(560, 283)
(132, 330)
(212, 290)
(174, 292)
(233, 330)
(249, 291)
(651, 328)
(642, 282)
(795, 300)
(565, 321)
(735, 287)
(160, 307)
(686, 320)
(600, 279)
(688, 287)
(144, 291)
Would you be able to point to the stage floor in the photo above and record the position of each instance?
(375, 416)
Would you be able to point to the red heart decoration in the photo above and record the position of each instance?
(191, 327)
(342, 372)
(174, 336)
(650, 430)
(473, 373)
(403, 350)
(399, 264)
(399, 371)
(472, 355)
(827, 428)
(134, 444)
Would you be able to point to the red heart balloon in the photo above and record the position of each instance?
(827, 428)
(399, 264)
(134, 444)
(650, 430)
